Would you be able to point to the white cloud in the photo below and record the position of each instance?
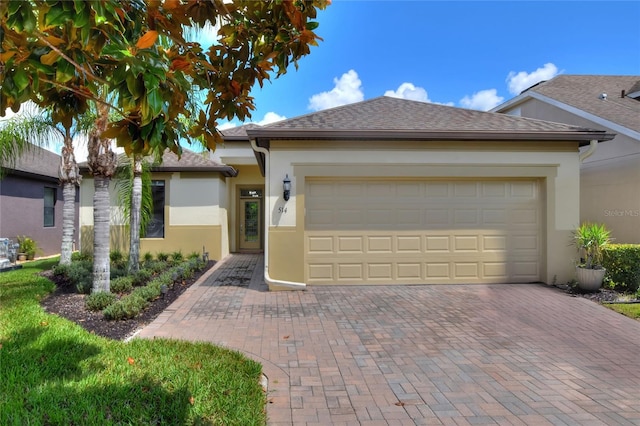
(227, 125)
(517, 82)
(409, 91)
(271, 117)
(483, 100)
(347, 90)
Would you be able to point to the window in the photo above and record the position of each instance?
(49, 207)
(155, 228)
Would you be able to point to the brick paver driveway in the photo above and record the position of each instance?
(481, 354)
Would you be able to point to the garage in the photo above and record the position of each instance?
(423, 231)
(393, 191)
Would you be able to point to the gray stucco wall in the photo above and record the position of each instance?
(22, 211)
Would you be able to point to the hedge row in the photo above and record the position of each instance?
(622, 262)
(131, 305)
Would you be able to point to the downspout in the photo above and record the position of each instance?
(592, 148)
(270, 281)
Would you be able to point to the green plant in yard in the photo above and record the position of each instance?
(99, 301)
(117, 259)
(141, 277)
(177, 256)
(27, 246)
(622, 262)
(162, 256)
(590, 240)
(55, 372)
(147, 257)
(121, 285)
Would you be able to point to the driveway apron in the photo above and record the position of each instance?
(426, 355)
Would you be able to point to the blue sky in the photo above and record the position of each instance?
(469, 54)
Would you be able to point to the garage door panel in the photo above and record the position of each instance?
(350, 244)
(380, 244)
(465, 217)
(422, 232)
(320, 244)
(409, 244)
(380, 271)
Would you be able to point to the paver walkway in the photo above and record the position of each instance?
(405, 355)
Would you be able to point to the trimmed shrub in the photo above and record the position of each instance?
(125, 308)
(117, 259)
(61, 270)
(80, 256)
(622, 262)
(116, 272)
(141, 277)
(99, 301)
(122, 285)
(84, 286)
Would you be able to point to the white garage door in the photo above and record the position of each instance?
(426, 231)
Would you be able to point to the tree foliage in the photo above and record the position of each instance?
(63, 53)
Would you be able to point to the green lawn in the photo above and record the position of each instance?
(632, 310)
(52, 371)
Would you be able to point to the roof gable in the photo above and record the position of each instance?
(604, 96)
(389, 118)
(38, 161)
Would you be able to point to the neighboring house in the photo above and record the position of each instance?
(31, 200)
(385, 191)
(610, 178)
(190, 212)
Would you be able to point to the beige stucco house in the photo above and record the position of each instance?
(190, 208)
(388, 191)
(610, 174)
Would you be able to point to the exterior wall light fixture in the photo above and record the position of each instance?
(286, 185)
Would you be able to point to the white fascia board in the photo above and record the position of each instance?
(573, 110)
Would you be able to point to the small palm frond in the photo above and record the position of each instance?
(22, 132)
(124, 188)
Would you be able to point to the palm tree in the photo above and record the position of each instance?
(133, 182)
(102, 163)
(35, 126)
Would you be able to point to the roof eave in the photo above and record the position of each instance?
(226, 171)
(264, 135)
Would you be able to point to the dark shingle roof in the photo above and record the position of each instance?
(584, 92)
(38, 161)
(238, 132)
(189, 161)
(192, 161)
(392, 118)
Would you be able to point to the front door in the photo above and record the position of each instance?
(250, 237)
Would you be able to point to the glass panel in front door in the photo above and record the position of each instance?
(250, 224)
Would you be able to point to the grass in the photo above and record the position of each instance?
(632, 310)
(52, 371)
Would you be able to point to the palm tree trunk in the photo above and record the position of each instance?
(101, 235)
(69, 177)
(68, 222)
(134, 228)
(102, 163)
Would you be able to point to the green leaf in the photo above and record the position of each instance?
(312, 25)
(64, 72)
(154, 100)
(21, 79)
(29, 18)
(56, 16)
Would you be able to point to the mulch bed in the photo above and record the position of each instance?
(65, 302)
